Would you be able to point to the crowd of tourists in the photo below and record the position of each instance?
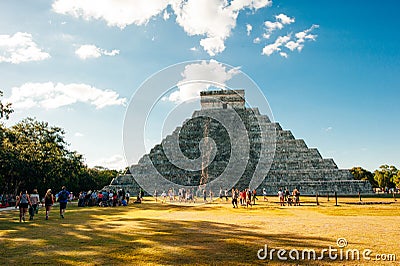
(103, 198)
(245, 198)
(29, 203)
(289, 198)
(7, 200)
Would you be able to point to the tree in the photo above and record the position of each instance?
(5, 109)
(360, 173)
(396, 179)
(385, 177)
(36, 155)
(97, 178)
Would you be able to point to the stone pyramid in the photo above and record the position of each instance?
(290, 163)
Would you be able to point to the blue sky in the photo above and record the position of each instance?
(329, 69)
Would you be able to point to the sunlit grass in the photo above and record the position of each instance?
(153, 233)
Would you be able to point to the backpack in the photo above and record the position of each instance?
(62, 196)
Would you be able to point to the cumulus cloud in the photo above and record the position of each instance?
(248, 29)
(20, 48)
(116, 13)
(166, 15)
(305, 35)
(283, 54)
(78, 134)
(257, 40)
(276, 46)
(301, 37)
(115, 162)
(50, 95)
(284, 19)
(91, 51)
(293, 45)
(213, 19)
(271, 26)
(203, 71)
(281, 20)
(286, 41)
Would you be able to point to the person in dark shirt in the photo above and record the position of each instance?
(62, 197)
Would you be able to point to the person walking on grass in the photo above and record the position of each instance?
(235, 195)
(254, 196)
(248, 197)
(63, 200)
(35, 199)
(281, 197)
(265, 194)
(48, 202)
(23, 202)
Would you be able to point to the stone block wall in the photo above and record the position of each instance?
(294, 164)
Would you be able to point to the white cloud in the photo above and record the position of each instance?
(116, 13)
(111, 53)
(166, 15)
(297, 44)
(213, 19)
(91, 51)
(20, 48)
(276, 46)
(284, 19)
(194, 49)
(116, 162)
(78, 134)
(283, 54)
(248, 29)
(301, 37)
(294, 45)
(88, 51)
(257, 40)
(213, 45)
(281, 20)
(266, 35)
(204, 71)
(271, 26)
(50, 95)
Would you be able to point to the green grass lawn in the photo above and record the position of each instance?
(213, 234)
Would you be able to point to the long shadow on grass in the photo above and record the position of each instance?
(112, 236)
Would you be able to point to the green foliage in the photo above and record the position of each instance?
(36, 155)
(386, 176)
(396, 179)
(5, 109)
(96, 177)
(360, 173)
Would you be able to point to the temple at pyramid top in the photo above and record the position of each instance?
(222, 99)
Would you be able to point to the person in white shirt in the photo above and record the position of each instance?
(34, 208)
